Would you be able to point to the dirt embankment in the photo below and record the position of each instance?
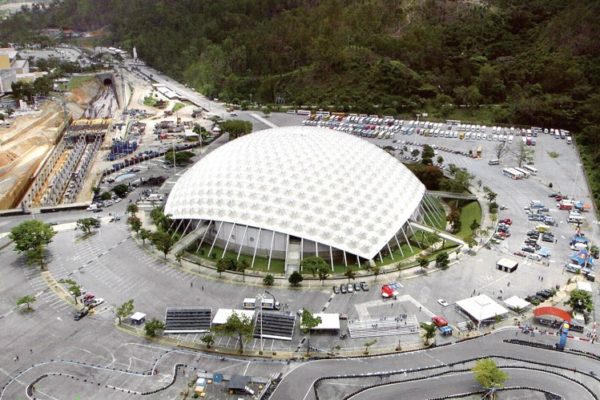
(28, 141)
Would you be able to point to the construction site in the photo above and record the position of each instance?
(46, 155)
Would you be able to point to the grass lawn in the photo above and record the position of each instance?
(77, 81)
(471, 211)
(149, 101)
(260, 263)
(435, 219)
(178, 106)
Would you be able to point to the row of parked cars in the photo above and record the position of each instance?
(540, 296)
(351, 287)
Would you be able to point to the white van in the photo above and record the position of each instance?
(574, 219)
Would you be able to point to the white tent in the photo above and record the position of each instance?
(329, 322)
(481, 308)
(585, 286)
(223, 313)
(516, 302)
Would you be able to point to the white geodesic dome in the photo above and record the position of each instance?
(313, 183)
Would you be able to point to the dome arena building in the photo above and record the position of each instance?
(294, 192)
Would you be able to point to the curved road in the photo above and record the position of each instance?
(299, 382)
(447, 385)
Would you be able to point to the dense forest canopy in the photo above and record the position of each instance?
(531, 62)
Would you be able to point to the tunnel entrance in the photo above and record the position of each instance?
(107, 82)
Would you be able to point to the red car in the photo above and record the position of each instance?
(506, 221)
(439, 321)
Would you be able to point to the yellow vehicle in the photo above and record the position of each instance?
(542, 228)
(461, 135)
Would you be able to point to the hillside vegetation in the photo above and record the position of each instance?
(530, 62)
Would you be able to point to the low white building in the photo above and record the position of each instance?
(481, 308)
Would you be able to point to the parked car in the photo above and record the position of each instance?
(96, 302)
(357, 287)
(443, 302)
(364, 286)
(343, 288)
(439, 321)
(528, 249)
(350, 288)
(506, 221)
(81, 313)
(336, 289)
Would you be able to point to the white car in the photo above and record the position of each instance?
(96, 302)
(443, 302)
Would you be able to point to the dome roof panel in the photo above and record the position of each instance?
(309, 182)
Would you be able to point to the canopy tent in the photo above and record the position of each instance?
(582, 257)
(585, 286)
(481, 308)
(224, 313)
(579, 239)
(516, 302)
(554, 311)
(329, 322)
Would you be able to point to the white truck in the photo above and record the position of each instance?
(249, 303)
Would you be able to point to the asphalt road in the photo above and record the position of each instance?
(298, 383)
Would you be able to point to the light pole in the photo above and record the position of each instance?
(260, 298)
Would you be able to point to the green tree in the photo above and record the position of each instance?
(323, 273)
(369, 344)
(474, 225)
(181, 157)
(376, 271)
(31, 238)
(222, 265)
(26, 300)
(144, 234)
(440, 160)
(132, 209)
(488, 375)
(105, 196)
(350, 273)
(423, 262)
(236, 128)
(208, 340)
(153, 327)
(75, 290)
(295, 279)
(238, 325)
(491, 196)
(135, 223)
(42, 86)
(428, 332)
(312, 264)
(121, 190)
(581, 301)
(86, 224)
(268, 280)
(163, 242)
(442, 260)
(242, 266)
(307, 323)
(125, 310)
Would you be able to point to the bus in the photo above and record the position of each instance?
(512, 173)
(526, 174)
(303, 112)
(530, 169)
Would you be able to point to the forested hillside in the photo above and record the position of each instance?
(532, 62)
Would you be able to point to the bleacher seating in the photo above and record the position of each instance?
(387, 326)
(275, 325)
(188, 320)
